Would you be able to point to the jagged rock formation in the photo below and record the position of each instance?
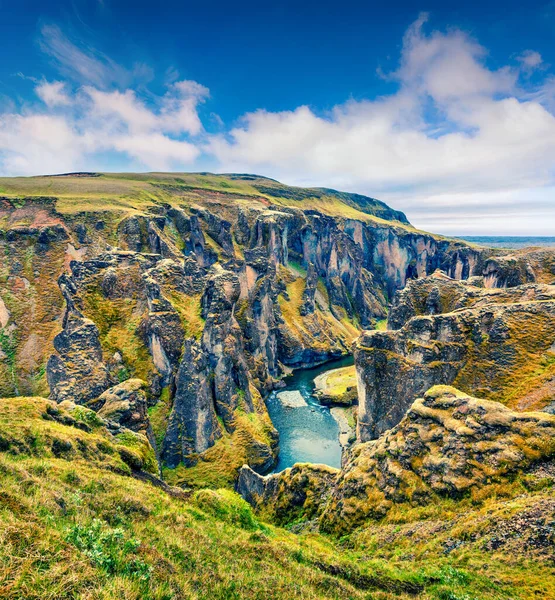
(496, 343)
(448, 444)
(298, 493)
(206, 288)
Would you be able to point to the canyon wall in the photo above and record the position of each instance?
(208, 298)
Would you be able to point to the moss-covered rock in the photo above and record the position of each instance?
(449, 444)
(295, 495)
(337, 386)
(497, 344)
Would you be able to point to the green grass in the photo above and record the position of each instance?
(136, 192)
(76, 525)
(381, 324)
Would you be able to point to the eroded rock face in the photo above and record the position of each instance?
(448, 444)
(124, 404)
(77, 372)
(298, 492)
(192, 426)
(485, 343)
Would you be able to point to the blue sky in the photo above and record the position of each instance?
(445, 110)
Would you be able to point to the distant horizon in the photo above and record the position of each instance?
(449, 233)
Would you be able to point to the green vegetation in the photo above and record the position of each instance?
(302, 328)
(381, 324)
(75, 524)
(217, 467)
(189, 309)
(118, 321)
(136, 192)
(158, 416)
(338, 386)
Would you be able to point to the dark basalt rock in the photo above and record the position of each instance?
(307, 307)
(479, 349)
(77, 372)
(192, 425)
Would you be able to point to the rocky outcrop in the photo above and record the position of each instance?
(491, 349)
(439, 293)
(76, 372)
(337, 387)
(298, 493)
(448, 444)
(124, 404)
(192, 426)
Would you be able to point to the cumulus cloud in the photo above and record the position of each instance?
(454, 127)
(456, 139)
(69, 128)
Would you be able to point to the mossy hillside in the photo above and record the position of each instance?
(118, 321)
(136, 192)
(463, 484)
(502, 534)
(190, 312)
(38, 244)
(74, 527)
(334, 335)
(29, 292)
(523, 362)
(39, 428)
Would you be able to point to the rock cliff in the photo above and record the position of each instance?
(448, 445)
(205, 288)
(496, 343)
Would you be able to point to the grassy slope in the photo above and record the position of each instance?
(75, 525)
(135, 192)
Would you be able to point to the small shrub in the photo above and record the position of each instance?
(109, 549)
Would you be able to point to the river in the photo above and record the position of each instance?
(307, 431)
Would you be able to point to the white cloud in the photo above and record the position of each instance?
(454, 128)
(530, 59)
(77, 125)
(156, 150)
(31, 144)
(52, 94)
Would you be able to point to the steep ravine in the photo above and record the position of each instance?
(420, 440)
(206, 289)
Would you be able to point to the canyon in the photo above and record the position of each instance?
(155, 317)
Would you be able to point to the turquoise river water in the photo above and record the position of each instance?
(307, 431)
